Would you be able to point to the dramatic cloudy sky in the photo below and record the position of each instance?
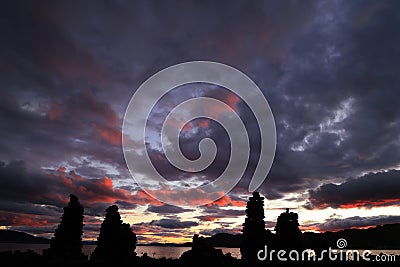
(329, 69)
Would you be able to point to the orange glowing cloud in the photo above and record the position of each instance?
(91, 191)
(359, 204)
(111, 135)
(208, 218)
(217, 111)
(370, 203)
(20, 219)
(141, 197)
(194, 197)
(227, 201)
(85, 111)
(203, 123)
(187, 127)
(232, 100)
(309, 228)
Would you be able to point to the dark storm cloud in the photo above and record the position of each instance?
(212, 213)
(192, 133)
(40, 53)
(334, 104)
(217, 231)
(68, 53)
(33, 200)
(370, 190)
(330, 71)
(166, 209)
(22, 219)
(29, 208)
(21, 186)
(90, 229)
(44, 231)
(333, 224)
(48, 113)
(76, 127)
(125, 204)
(173, 223)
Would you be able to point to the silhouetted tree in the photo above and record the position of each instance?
(287, 230)
(197, 242)
(67, 241)
(116, 241)
(254, 236)
(203, 255)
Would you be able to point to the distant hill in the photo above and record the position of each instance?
(378, 237)
(217, 240)
(9, 236)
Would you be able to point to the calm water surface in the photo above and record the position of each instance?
(152, 251)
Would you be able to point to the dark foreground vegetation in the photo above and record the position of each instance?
(116, 245)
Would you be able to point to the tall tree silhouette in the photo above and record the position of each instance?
(67, 241)
(287, 231)
(254, 234)
(116, 241)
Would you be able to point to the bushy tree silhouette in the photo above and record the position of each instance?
(203, 255)
(254, 234)
(197, 242)
(67, 241)
(116, 241)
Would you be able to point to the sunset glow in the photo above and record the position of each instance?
(329, 70)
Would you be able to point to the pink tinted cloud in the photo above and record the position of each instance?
(22, 219)
(91, 116)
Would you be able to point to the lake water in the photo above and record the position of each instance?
(152, 251)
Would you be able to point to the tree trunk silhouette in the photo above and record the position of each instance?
(254, 233)
(67, 241)
(116, 241)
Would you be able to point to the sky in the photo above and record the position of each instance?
(329, 69)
